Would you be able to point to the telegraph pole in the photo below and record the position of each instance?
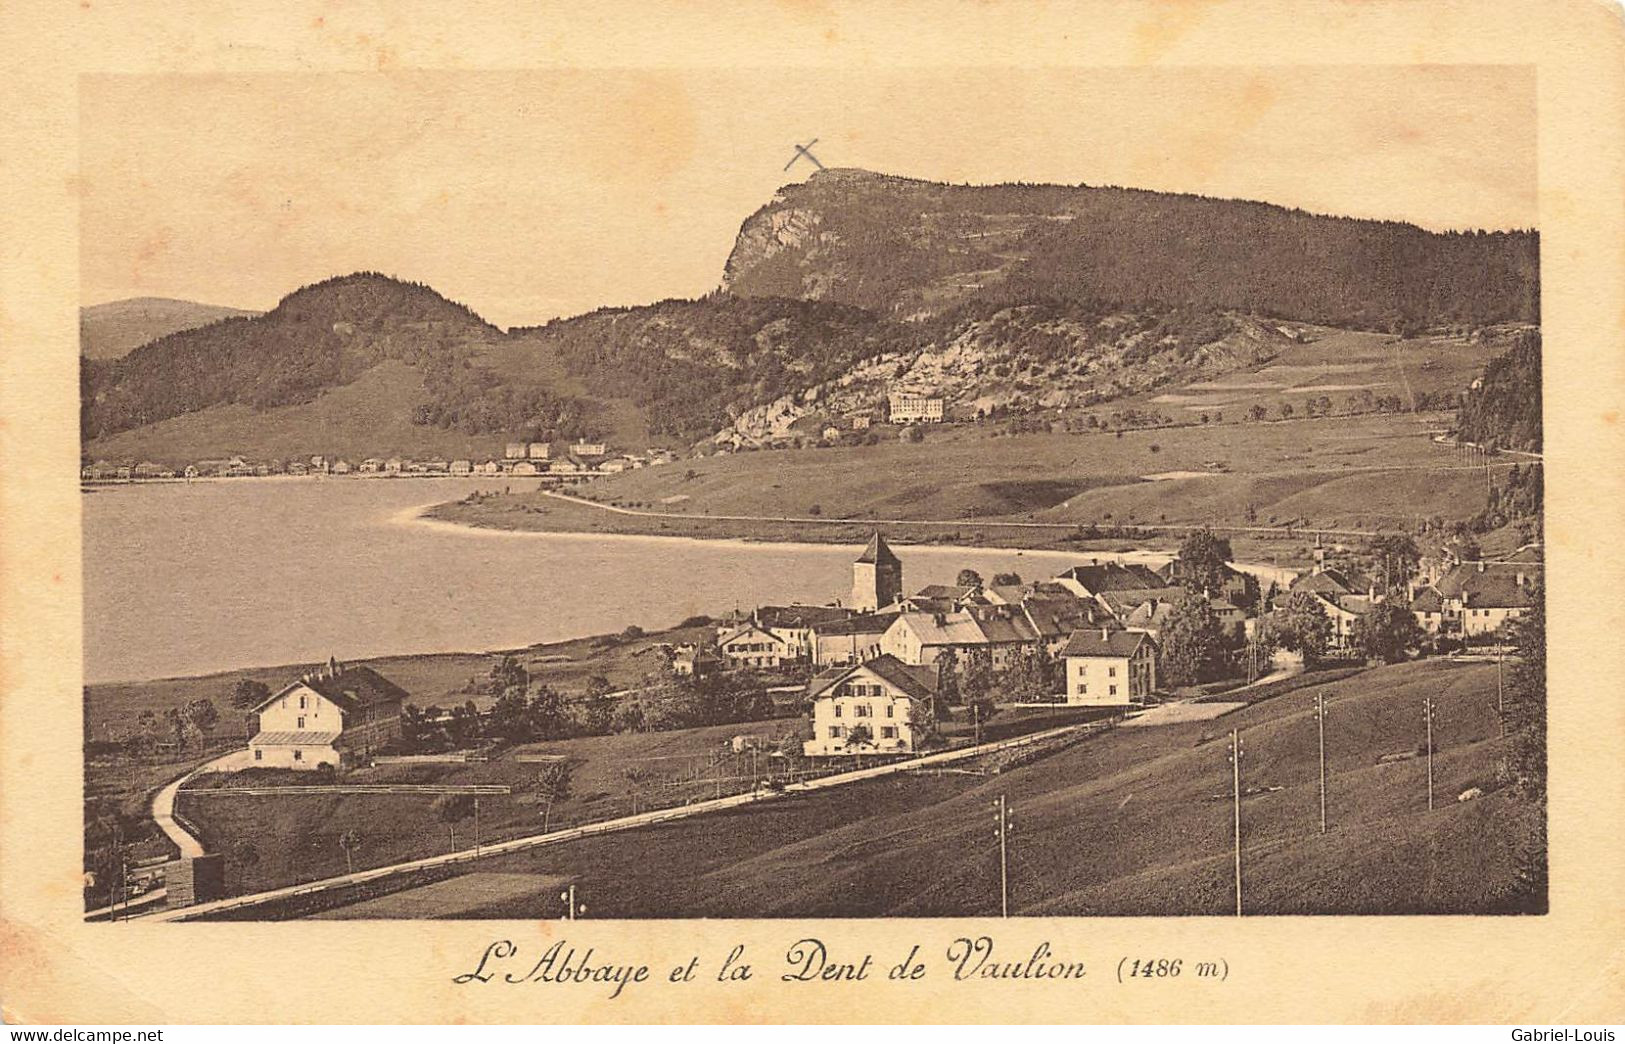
(476, 826)
(1235, 793)
(1320, 721)
(1001, 817)
(1500, 692)
(1427, 716)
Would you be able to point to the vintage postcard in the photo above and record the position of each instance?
(812, 513)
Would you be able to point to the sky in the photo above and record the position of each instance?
(529, 195)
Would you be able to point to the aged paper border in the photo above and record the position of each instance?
(1568, 966)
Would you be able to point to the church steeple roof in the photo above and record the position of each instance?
(877, 553)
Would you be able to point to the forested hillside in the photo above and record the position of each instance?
(318, 337)
(900, 247)
(685, 363)
(1505, 409)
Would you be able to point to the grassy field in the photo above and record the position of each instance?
(295, 836)
(1136, 822)
(432, 678)
(1360, 473)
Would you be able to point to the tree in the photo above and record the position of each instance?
(350, 840)
(509, 718)
(1257, 412)
(553, 785)
(1204, 560)
(509, 673)
(636, 778)
(976, 683)
(464, 727)
(1302, 626)
(547, 714)
(1006, 579)
(1386, 632)
(203, 716)
(597, 714)
(1524, 713)
(452, 809)
(1398, 557)
(859, 737)
(248, 694)
(1286, 410)
(948, 687)
(1192, 643)
(1032, 675)
(244, 854)
(968, 578)
(176, 719)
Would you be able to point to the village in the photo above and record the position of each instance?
(559, 463)
(804, 692)
(553, 462)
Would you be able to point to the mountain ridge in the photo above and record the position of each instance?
(902, 246)
(1003, 299)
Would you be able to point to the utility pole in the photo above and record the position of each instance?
(1427, 716)
(476, 826)
(1500, 692)
(1001, 817)
(1320, 721)
(1235, 793)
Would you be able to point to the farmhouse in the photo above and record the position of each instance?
(695, 661)
(1479, 597)
(795, 624)
(1428, 608)
(878, 706)
(853, 640)
(1098, 577)
(337, 715)
(752, 646)
(1110, 668)
(1233, 588)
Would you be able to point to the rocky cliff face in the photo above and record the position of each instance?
(905, 249)
(1022, 360)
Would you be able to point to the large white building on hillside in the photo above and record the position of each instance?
(876, 707)
(337, 716)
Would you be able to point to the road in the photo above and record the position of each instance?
(609, 826)
(163, 802)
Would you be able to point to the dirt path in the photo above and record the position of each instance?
(163, 802)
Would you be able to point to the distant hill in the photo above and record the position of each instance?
(108, 331)
(901, 247)
(316, 339)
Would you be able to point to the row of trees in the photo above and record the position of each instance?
(529, 709)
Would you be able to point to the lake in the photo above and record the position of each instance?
(183, 579)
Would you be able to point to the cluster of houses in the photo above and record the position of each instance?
(557, 462)
(881, 655)
(883, 652)
(878, 662)
(1448, 598)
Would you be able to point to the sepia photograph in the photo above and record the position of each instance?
(615, 494)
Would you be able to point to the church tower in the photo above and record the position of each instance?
(877, 577)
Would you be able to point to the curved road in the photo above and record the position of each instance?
(163, 802)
